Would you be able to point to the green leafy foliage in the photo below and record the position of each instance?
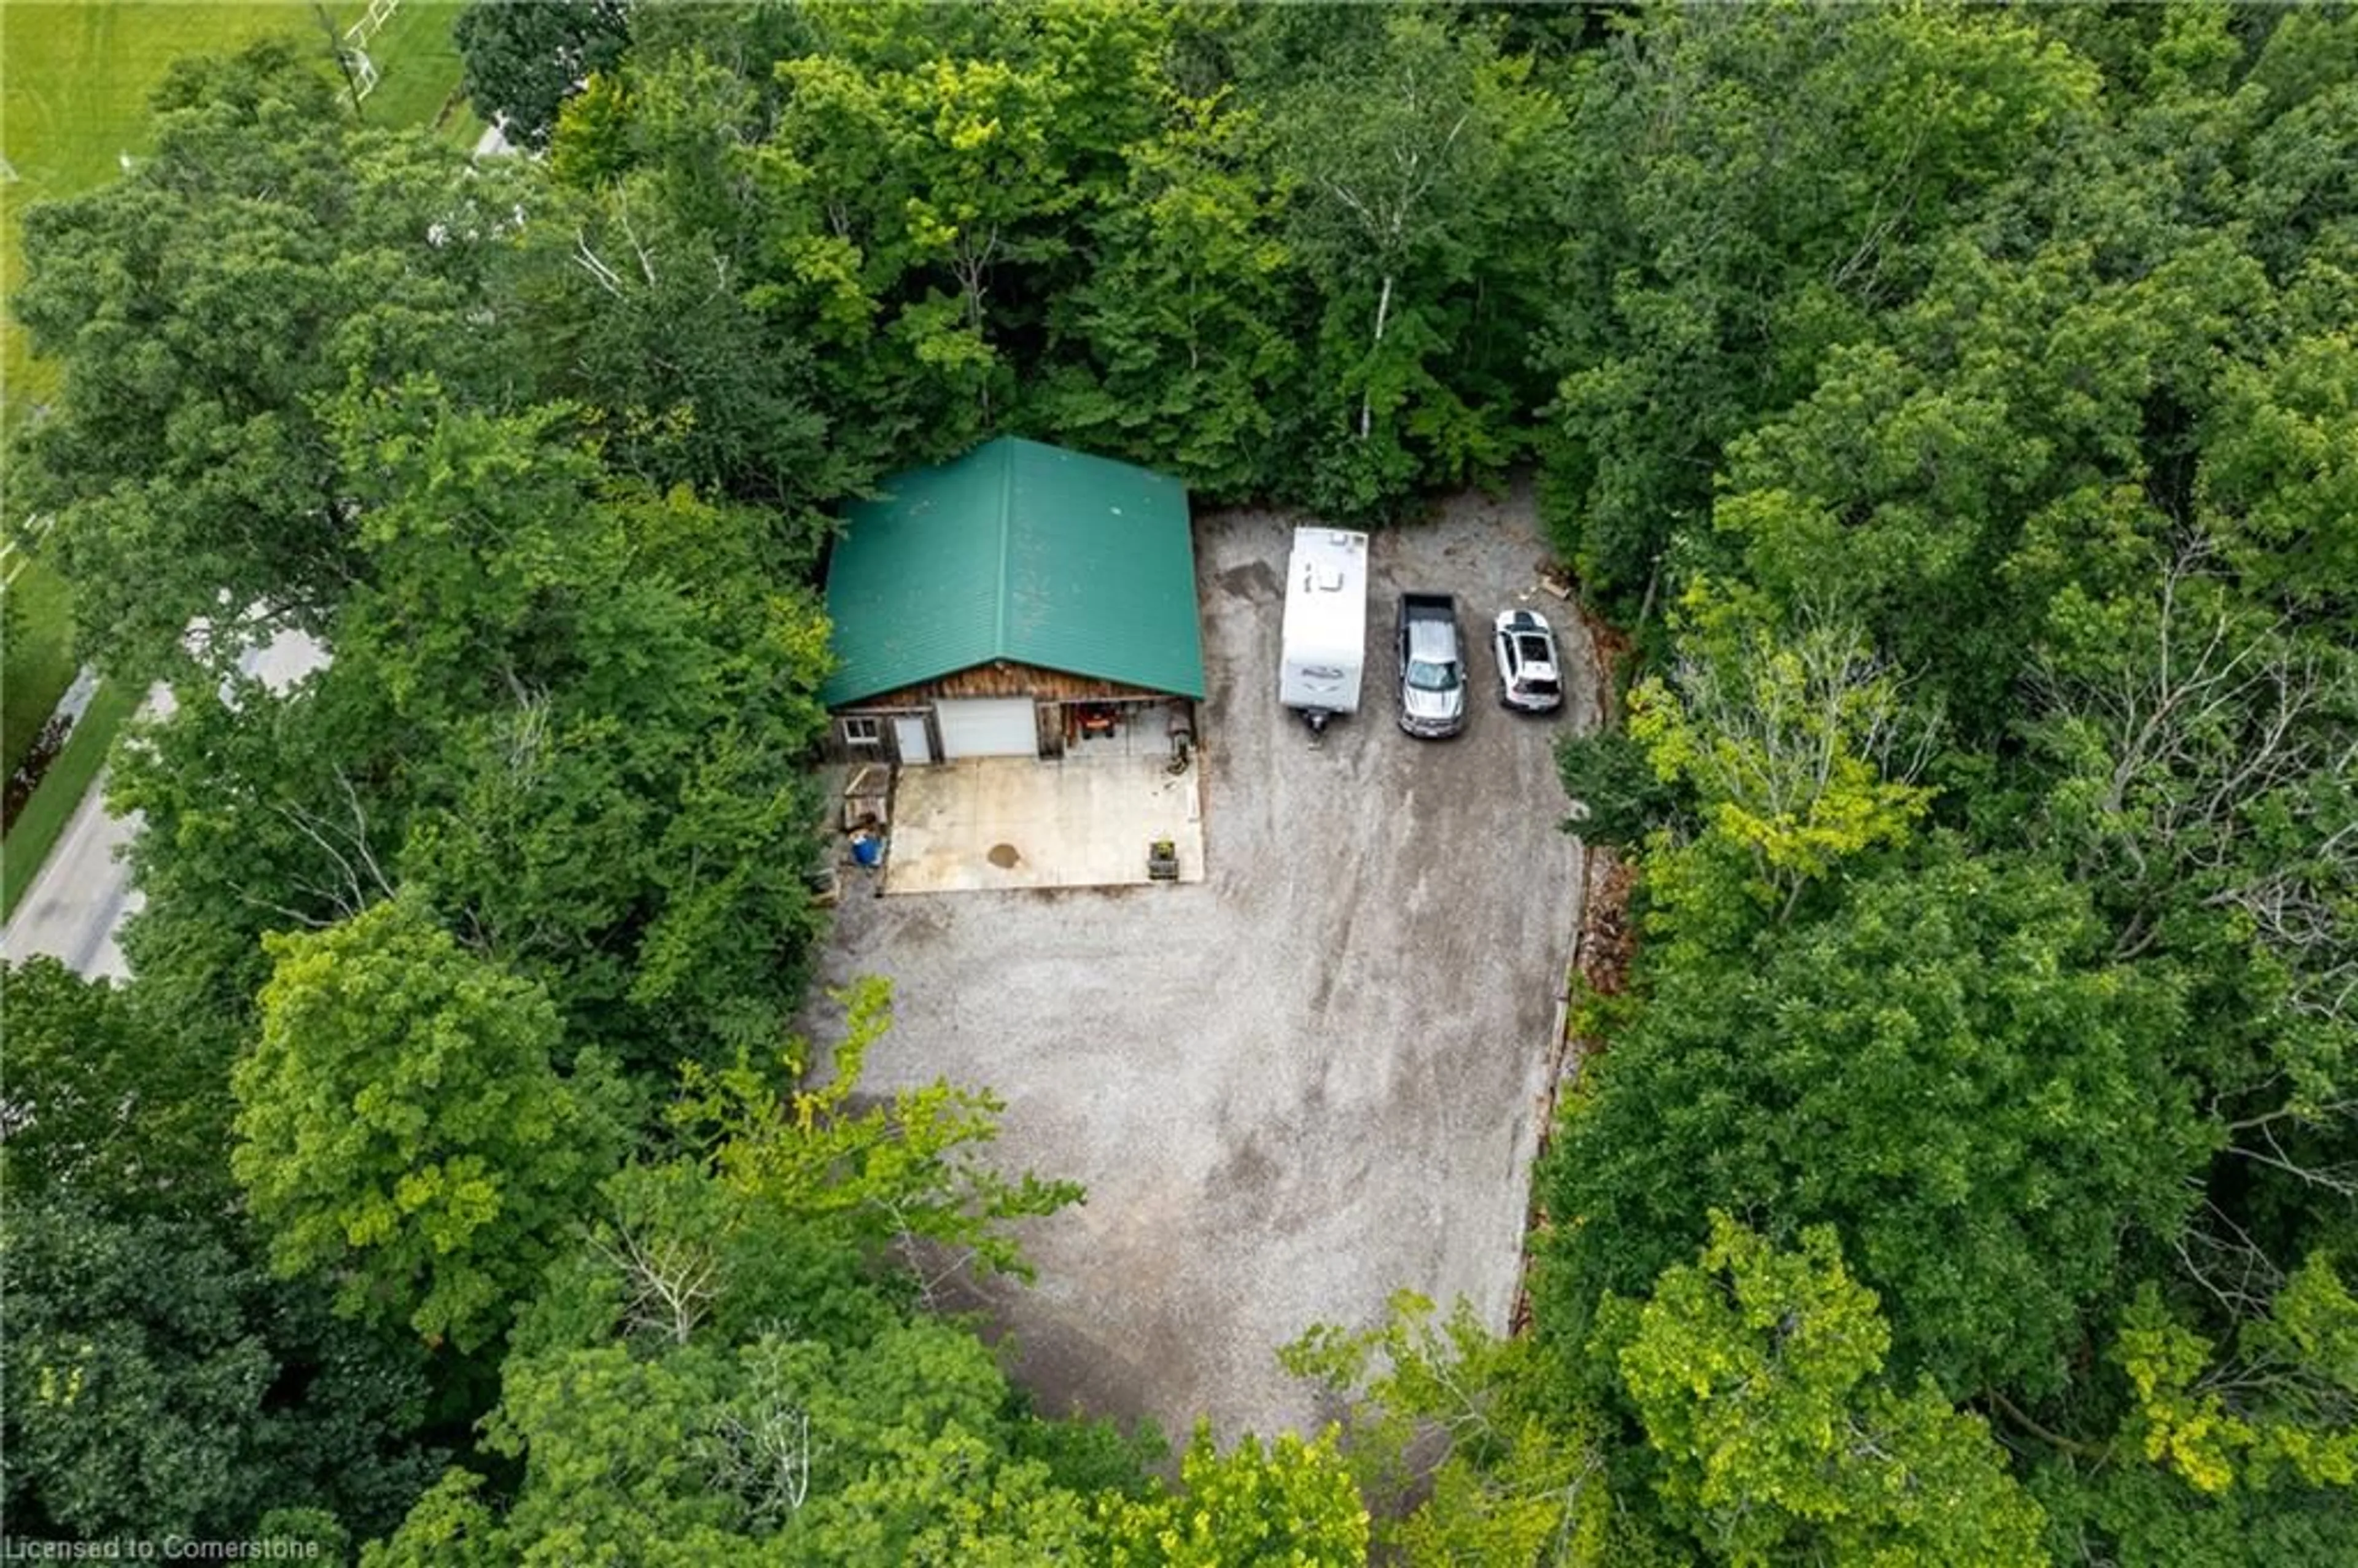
(1414, 161)
(1790, 746)
(524, 60)
(200, 308)
(938, 179)
(1749, 187)
(160, 1381)
(2035, 395)
(642, 327)
(1959, 397)
(569, 720)
(2145, 1518)
(107, 1100)
(1186, 316)
(895, 1449)
(1288, 1501)
(1521, 1479)
(725, 1363)
(2281, 476)
(1943, 1068)
(403, 1128)
(2283, 1410)
(902, 1172)
(1618, 798)
(1756, 1376)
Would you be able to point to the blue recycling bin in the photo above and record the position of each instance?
(867, 850)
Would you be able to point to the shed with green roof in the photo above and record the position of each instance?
(1021, 599)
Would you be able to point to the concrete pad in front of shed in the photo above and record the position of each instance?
(1011, 822)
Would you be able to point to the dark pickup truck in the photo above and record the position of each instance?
(1432, 666)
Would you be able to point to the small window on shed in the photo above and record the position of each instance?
(863, 732)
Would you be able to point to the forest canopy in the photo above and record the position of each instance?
(1957, 407)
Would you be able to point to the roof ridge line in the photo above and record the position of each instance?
(1006, 532)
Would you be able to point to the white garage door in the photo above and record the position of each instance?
(988, 726)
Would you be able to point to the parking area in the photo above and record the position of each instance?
(1310, 1078)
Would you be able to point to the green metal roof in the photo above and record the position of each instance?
(1022, 552)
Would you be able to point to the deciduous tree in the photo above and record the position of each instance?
(523, 57)
(1756, 1377)
(1415, 162)
(1288, 1502)
(161, 1382)
(1799, 751)
(566, 711)
(1946, 1068)
(725, 1364)
(2281, 1409)
(404, 1129)
(200, 308)
(1519, 1477)
(1187, 317)
(107, 1100)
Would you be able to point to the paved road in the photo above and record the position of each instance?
(82, 894)
(78, 905)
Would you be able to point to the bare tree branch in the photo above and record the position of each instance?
(673, 1281)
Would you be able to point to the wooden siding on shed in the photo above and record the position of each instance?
(1004, 679)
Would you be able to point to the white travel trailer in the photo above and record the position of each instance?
(1326, 643)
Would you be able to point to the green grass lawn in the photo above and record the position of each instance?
(38, 658)
(417, 67)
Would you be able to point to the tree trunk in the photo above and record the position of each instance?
(336, 53)
(1383, 314)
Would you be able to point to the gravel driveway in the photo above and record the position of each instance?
(1312, 1079)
